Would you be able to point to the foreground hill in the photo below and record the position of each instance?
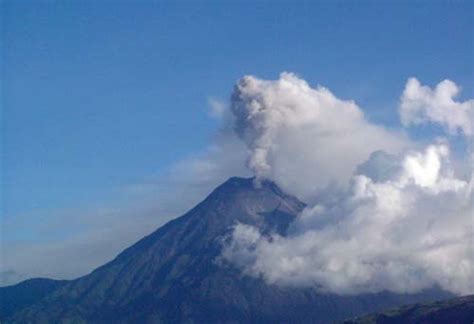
(172, 275)
(16, 297)
(453, 311)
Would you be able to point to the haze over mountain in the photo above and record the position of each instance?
(177, 273)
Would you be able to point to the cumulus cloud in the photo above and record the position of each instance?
(403, 233)
(304, 138)
(421, 104)
(402, 223)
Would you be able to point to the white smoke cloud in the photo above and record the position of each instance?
(404, 221)
(304, 138)
(421, 104)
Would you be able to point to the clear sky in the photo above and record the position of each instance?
(99, 95)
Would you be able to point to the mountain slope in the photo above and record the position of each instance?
(172, 274)
(454, 311)
(16, 297)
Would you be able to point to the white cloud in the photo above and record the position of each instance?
(421, 104)
(304, 138)
(405, 233)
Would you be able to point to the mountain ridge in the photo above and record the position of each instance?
(458, 310)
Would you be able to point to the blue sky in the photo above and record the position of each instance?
(99, 95)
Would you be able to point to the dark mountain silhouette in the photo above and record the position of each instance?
(16, 297)
(172, 275)
(453, 311)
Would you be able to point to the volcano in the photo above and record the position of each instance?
(174, 274)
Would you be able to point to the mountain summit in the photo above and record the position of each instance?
(172, 274)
